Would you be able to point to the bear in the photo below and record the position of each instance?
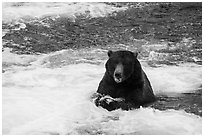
(124, 85)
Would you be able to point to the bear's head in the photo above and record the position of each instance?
(121, 64)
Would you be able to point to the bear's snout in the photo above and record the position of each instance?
(118, 77)
(118, 73)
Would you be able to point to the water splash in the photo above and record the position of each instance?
(38, 97)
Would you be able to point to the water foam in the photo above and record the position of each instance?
(178, 79)
(36, 100)
(13, 12)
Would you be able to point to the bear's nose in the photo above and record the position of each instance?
(118, 75)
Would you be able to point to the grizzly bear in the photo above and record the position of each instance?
(124, 84)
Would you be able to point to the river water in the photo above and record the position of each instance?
(51, 94)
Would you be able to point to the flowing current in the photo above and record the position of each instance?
(51, 94)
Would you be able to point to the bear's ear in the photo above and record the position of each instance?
(136, 54)
(110, 53)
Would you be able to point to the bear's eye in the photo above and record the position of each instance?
(114, 61)
(128, 64)
(128, 61)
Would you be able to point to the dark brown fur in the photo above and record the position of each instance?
(135, 88)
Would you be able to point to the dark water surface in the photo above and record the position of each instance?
(179, 24)
(190, 102)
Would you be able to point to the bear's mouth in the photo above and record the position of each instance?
(118, 80)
